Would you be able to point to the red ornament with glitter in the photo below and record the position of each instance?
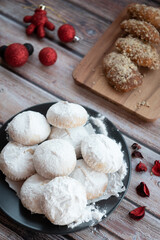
(47, 56)
(16, 54)
(67, 33)
(38, 22)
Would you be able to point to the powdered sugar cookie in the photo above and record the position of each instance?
(63, 200)
(31, 192)
(66, 115)
(16, 161)
(72, 135)
(28, 128)
(94, 182)
(102, 153)
(54, 158)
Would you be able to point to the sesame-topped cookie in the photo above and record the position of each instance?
(121, 73)
(142, 54)
(146, 13)
(142, 30)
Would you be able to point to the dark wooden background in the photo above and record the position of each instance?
(34, 84)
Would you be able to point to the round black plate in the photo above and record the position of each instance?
(11, 205)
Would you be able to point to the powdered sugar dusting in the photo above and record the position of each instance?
(90, 213)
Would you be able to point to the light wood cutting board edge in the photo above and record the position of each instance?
(82, 67)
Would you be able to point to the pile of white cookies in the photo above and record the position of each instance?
(44, 151)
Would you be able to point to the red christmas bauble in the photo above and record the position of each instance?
(66, 33)
(16, 55)
(47, 56)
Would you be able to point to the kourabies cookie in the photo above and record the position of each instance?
(66, 115)
(63, 200)
(28, 128)
(94, 182)
(54, 158)
(72, 135)
(31, 192)
(102, 153)
(16, 161)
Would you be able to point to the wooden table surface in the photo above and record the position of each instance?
(34, 84)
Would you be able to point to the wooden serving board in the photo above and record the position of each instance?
(144, 101)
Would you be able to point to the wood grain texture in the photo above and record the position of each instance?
(13, 85)
(57, 80)
(109, 10)
(18, 95)
(128, 229)
(33, 84)
(153, 182)
(89, 73)
(88, 27)
(6, 233)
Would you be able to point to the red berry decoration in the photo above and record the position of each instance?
(67, 33)
(38, 22)
(47, 56)
(16, 54)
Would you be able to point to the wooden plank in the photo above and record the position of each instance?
(128, 229)
(57, 80)
(14, 89)
(109, 9)
(93, 233)
(89, 73)
(6, 233)
(153, 182)
(24, 232)
(18, 95)
(16, 98)
(88, 27)
(98, 233)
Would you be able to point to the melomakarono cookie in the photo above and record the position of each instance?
(146, 13)
(142, 54)
(54, 158)
(63, 200)
(102, 153)
(16, 161)
(120, 72)
(142, 30)
(66, 115)
(28, 128)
